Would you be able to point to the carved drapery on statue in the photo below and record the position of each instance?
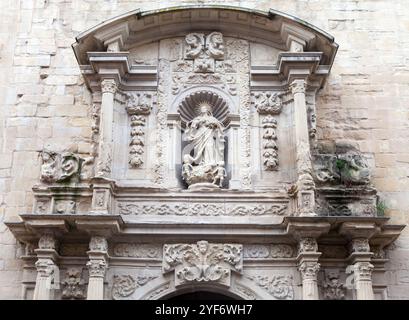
(203, 164)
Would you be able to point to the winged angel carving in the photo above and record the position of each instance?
(202, 262)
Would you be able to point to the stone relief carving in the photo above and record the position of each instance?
(205, 168)
(161, 120)
(202, 262)
(60, 167)
(204, 50)
(333, 289)
(282, 251)
(98, 243)
(279, 286)
(138, 103)
(270, 155)
(349, 167)
(104, 163)
(97, 268)
(307, 245)
(259, 251)
(125, 285)
(65, 206)
(73, 287)
(268, 102)
(47, 241)
(150, 251)
(154, 295)
(137, 142)
(201, 209)
(309, 270)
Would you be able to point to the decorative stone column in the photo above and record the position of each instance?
(47, 270)
(97, 266)
(104, 166)
(308, 266)
(361, 269)
(305, 184)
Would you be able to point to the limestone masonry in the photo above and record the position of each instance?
(244, 149)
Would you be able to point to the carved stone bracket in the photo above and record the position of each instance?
(202, 262)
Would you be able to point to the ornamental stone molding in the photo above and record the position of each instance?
(202, 262)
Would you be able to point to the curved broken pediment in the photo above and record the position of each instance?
(272, 28)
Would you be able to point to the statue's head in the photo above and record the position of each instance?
(205, 108)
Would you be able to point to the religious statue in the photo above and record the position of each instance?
(205, 134)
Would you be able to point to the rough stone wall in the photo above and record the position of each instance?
(43, 99)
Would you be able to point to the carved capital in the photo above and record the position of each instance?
(98, 244)
(108, 86)
(309, 270)
(298, 86)
(97, 268)
(363, 271)
(45, 267)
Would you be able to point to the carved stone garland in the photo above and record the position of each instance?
(202, 262)
(138, 107)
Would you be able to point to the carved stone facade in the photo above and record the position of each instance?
(204, 167)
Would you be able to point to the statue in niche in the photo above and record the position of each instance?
(205, 135)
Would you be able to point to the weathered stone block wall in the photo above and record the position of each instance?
(44, 101)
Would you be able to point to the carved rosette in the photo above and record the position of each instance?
(73, 287)
(309, 270)
(270, 155)
(202, 262)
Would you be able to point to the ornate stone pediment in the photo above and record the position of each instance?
(202, 262)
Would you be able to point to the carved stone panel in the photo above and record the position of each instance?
(202, 262)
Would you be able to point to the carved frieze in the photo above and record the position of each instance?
(275, 251)
(279, 286)
(270, 155)
(202, 262)
(73, 287)
(201, 209)
(60, 167)
(136, 250)
(125, 285)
